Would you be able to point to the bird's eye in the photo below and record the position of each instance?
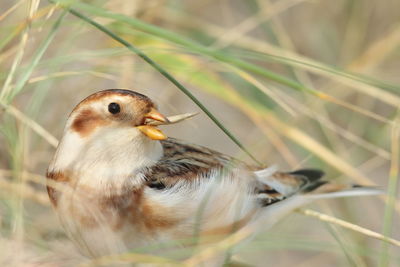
(114, 108)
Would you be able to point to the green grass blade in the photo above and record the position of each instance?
(193, 46)
(36, 58)
(328, 70)
(225, 56)
(166, 75)
(391, 195)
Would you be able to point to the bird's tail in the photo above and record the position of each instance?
(317, 188)
(307, 182)
(291, 190)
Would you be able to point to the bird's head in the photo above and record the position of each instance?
(114, 109)
(110, 128)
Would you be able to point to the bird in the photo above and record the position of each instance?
(118, 183)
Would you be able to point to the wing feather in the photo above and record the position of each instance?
(184, 163)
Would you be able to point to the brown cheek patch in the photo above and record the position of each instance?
(86, 122)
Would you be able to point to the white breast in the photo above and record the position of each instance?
(106, 162)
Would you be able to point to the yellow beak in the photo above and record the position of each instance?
(155, 118)
(152, 131)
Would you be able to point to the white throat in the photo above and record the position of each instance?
(107, 159)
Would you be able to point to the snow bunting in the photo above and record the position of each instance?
(124, 184)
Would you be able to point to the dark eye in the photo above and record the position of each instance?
(114, 108)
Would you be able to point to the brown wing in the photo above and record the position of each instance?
(186, 161)
(189, 162)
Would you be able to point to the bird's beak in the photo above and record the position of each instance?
(155, 118)
(149, 129)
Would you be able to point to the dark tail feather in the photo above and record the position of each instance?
(312, 178)
(312, 175)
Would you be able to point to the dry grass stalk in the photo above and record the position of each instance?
(347, 225)
(31, 124)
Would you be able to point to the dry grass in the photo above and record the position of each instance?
(314, 83)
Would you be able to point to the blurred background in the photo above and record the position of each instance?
(300, 83)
